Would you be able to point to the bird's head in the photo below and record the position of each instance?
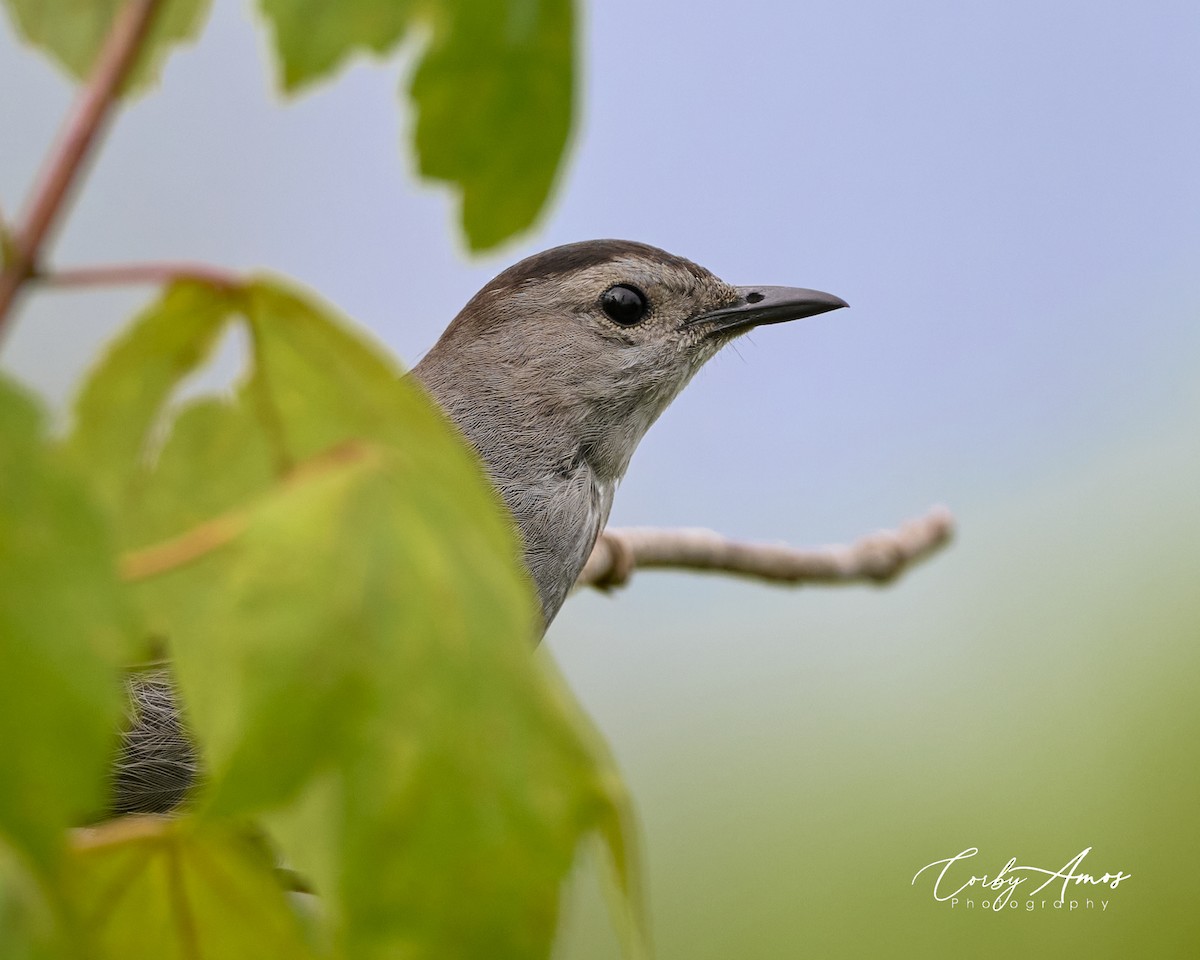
(598, 337)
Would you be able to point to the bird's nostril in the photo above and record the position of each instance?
(753, 297)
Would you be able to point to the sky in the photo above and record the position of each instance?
(1006, 194)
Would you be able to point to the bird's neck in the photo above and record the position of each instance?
(557, 484)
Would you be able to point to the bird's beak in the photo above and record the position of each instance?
(756, 306)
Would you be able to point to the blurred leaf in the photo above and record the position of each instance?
(313, 384)
(72, 32)
(494, 95)
(29, 929)
(358, 630)
(205, 432)
(146, 887)
(313, 37)
(493, 92)
(124, 395)
(357, 660)
(63, 637)
(317, 381)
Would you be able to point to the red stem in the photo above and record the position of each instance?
(118, 274)
(83, 127)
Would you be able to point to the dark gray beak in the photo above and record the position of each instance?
(757, 306)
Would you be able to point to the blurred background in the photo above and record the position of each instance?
(1007, 194)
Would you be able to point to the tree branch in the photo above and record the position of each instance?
(118, 274)
(91, 113)
(877, 558)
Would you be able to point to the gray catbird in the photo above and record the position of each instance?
(553, 371)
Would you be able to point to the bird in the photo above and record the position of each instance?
(556, 369)
(553, 372)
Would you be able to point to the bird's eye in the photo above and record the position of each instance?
(625, 305)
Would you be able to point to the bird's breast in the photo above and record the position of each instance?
(559, 515)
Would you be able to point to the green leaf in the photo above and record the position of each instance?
(494, 96)
(63, 638)
(317, 381)
(225, 441)
(364, 628)
(356, 658)
(150, 887)
(313, 383)
(72, 32)
(124, 396)
(29, 928)
(313, 37)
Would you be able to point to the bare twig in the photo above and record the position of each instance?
(67, 158)
(877, 558)
(118, 274)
